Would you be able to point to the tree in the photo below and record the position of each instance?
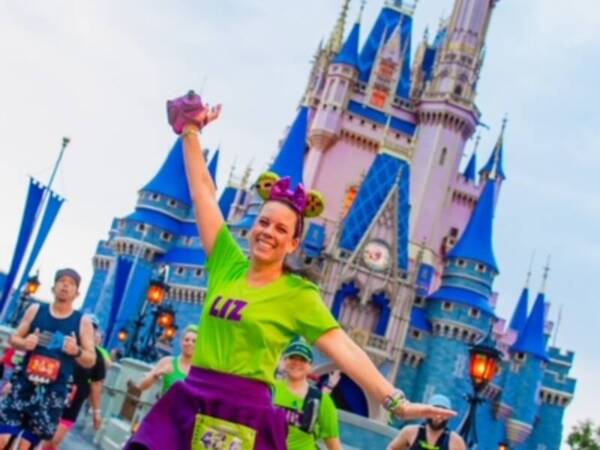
(584, 436)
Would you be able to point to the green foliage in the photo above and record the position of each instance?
(584, 436)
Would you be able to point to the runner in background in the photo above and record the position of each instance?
(311, 414)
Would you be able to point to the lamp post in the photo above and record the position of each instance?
(155, 296)
(485, 359)
(32, 286)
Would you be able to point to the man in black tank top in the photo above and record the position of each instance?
(432, 435)
(55, 338)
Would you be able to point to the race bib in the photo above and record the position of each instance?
(211, 433)
(42, 369)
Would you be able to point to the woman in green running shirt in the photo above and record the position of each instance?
(173, 368)
(253, 308)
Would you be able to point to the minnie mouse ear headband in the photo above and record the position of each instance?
(184, 110)
(271, 187)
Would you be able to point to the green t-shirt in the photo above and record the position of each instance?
(327, 424)
(245, 329)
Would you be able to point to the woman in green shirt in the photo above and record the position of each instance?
(173, 368)
(253, 309)
(294, 394)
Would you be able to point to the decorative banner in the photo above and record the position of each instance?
(32, 205)
(52, 209)
(122, 272)
(386, 72)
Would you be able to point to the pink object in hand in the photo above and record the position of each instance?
(184, 110)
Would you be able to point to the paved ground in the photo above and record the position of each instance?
(79, 441)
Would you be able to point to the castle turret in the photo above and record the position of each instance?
(326, 125)
(470, 172)
(447, 117)
(460, 311)
(528, 357)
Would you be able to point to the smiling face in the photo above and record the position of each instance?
(297, 368)
(188, 344)
(272, 237)
(65, 289)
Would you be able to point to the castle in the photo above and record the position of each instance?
(404, 250)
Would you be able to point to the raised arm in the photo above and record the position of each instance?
(188, 115)
(355, 363)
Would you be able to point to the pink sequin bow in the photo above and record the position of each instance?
(184, 110)
(297, 198)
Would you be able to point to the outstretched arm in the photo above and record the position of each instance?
(208, 215)
(353, 361)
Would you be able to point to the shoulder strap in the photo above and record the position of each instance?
(311, 408)
(444, 440)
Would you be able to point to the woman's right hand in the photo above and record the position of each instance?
(206, 116)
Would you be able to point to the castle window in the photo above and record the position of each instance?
(481, 268)
(454, 232)
(374, 126)
(520, 357)
(172, 203)
(243, 233)
(415, 334)
(180, 271)
(308, 260)
(460, 365)
(154, 197)
(165, 236)
(362, 121)
(443, 156)
(474, 313)
(198, 272)
(350, 117)
(334, 108)
(458, 89)
(140, 227)
(419, 301)
(447, 306)
(461, 263)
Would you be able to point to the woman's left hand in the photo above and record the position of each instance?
(410, 411)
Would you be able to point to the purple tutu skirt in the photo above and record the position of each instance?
(170, 423)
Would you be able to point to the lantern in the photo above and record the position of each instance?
(123, 335)
(166, 319)
(503, 446)
(157, 292)
(33, 284)
(170, 333)
(484, 364)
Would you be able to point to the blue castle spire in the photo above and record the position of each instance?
(476, 241)
(494, 167)
(470, 173)
(532, 339)
(349, 53)
(290, 160)
(170, 179)
(213, 164)
(519, 318)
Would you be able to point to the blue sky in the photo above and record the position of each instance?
(100, 72)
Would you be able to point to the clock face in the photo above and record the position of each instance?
(376, 255)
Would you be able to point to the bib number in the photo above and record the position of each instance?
(42, 369)
(211, 433)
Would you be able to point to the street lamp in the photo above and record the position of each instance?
(485, 360)
(32, 286)
(123, 335)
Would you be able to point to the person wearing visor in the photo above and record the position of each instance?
(55, 338)
(311, 414)
(87, 383)
(432, 435)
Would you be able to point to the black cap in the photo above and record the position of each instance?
(67, 272)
